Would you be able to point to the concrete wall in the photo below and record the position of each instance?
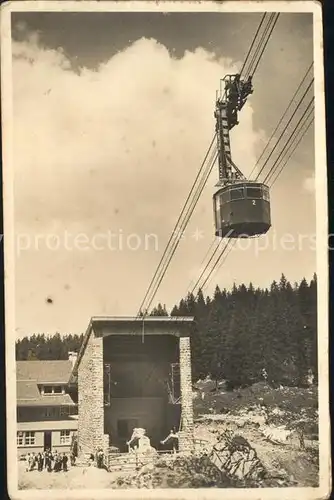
(90, 388)
(95, 420)
(186, 435)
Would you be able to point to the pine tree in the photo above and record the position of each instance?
(159, 310)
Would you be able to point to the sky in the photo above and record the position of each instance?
(113, 115)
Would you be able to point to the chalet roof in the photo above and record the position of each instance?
(44, 372)
(31, 373)
(39, 400)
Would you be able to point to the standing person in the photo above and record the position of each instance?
(39, 462)
(64, 462)
(133, 442)
(58, 462)
(99, 458)
(32, 461)
(72, 458)
(46, 460)
(27, 459)
(173, 438)
(55, 461)
(49, 459)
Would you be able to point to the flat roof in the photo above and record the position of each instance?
(136, 325)
(104, 326)
(140, 319)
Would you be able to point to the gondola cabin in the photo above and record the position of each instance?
(242, 210)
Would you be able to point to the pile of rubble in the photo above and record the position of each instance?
(229, 462)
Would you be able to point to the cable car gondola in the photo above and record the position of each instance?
(242, 210)
(241, 207)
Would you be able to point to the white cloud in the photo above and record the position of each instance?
(135, 129)
(114, 148)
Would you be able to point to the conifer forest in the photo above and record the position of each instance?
(243, 335)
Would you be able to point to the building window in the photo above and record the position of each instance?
(53, 389)
(29, 438)
(65, 437)
(25, 438)
(19, 438)
(64, 411)
(50, 412)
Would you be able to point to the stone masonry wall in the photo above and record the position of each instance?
(186, 435)
(90, 388)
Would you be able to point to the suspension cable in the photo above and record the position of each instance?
(285, 128)
(282, 118)
(275, 19)
(207, 265)
(298, 129)
(205, 176)
(288, 140)
(253, 42)
(177, 224)
(284, 151)
(183, 226)
(292, 152)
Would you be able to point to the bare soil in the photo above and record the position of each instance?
(241, 411)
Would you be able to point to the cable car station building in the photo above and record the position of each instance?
(134, 372)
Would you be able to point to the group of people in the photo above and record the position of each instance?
(46, 460)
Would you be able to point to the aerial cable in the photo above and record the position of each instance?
(284, 130)
(252, 72)
(292, 137)
(252, 67)
(266, 29)
(178, 222)
(291, 153)
(200, 188)
(252, 44)
(291, 144)
(216, 262)
(308, 110)
(287, 142)
(275, 166)
(216, 241)
(208, 280)
(282, 118)
(183, 225)
(189, 213)
(207, 265)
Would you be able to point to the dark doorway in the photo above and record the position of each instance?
(47, 440)
(125, 427)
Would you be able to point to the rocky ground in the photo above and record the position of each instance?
(254, 437)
